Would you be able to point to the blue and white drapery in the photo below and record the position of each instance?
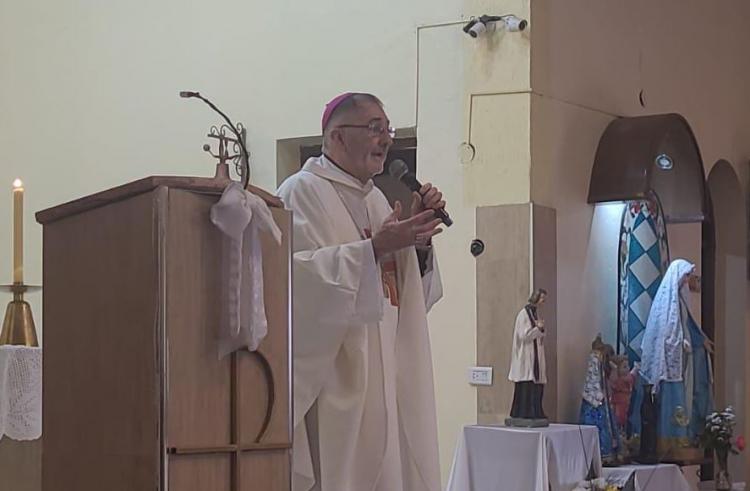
(643, 259)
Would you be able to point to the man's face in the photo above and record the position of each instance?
(366, 150)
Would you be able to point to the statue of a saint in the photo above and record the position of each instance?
(527, 366)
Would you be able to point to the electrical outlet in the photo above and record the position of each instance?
(480, 375)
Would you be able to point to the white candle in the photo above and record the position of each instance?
(17, 231)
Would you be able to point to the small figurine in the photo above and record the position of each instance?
(527, 366)
(595, 406)
(621, 382)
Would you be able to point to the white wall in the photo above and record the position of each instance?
(604, 247)
(89, 89)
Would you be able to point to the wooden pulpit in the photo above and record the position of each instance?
(135, 396)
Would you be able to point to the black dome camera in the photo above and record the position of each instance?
(477, 247)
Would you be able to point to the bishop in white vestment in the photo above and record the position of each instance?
(364, 407)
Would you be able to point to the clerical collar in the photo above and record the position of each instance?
(336, 164)
(326, 168)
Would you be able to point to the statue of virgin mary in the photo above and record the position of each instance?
(675, 363)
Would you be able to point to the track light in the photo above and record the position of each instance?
(479, 25)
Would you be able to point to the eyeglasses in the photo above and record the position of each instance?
(374, 128)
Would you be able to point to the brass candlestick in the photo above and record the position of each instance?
(18, 325)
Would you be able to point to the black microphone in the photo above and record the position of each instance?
(400, 171)
(186, 94)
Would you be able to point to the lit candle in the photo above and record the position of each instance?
(17, 231)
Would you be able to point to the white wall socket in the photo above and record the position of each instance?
(480, 375)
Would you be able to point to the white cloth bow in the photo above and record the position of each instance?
(241, 216)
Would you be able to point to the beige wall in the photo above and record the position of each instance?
(497, 108)
(731, 285)
(686, 57)
(590, 61)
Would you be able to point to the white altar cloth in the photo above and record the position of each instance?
(20, 392)
(498, 458)
(660, 477)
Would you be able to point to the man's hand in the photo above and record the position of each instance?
(394, 234)
(428, 198)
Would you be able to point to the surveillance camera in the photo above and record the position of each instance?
(467, 27)
(475, 27)
(487, 23)
(477, 247)
(514, 24)
(478, 28)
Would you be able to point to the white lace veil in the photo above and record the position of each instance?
(662, 344)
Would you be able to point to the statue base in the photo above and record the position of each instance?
(527, 422)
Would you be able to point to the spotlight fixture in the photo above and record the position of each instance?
(664, 162)
(478, 25)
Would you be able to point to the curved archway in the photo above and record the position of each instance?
(657, 153)
(729, 284)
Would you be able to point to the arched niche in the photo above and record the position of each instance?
(644, 154)
(650, 163)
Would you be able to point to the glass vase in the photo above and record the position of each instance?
(722, 480)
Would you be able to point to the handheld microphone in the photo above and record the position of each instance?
(400, 171)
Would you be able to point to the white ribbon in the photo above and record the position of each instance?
(241, 216)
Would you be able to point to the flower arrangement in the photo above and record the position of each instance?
(718, 435)
(719, 431)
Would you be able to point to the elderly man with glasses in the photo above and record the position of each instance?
(364, 405)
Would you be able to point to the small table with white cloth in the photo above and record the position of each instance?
(20, 392)
(499, 458)
(660, 477)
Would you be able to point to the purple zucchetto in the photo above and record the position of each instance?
(331, 107)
